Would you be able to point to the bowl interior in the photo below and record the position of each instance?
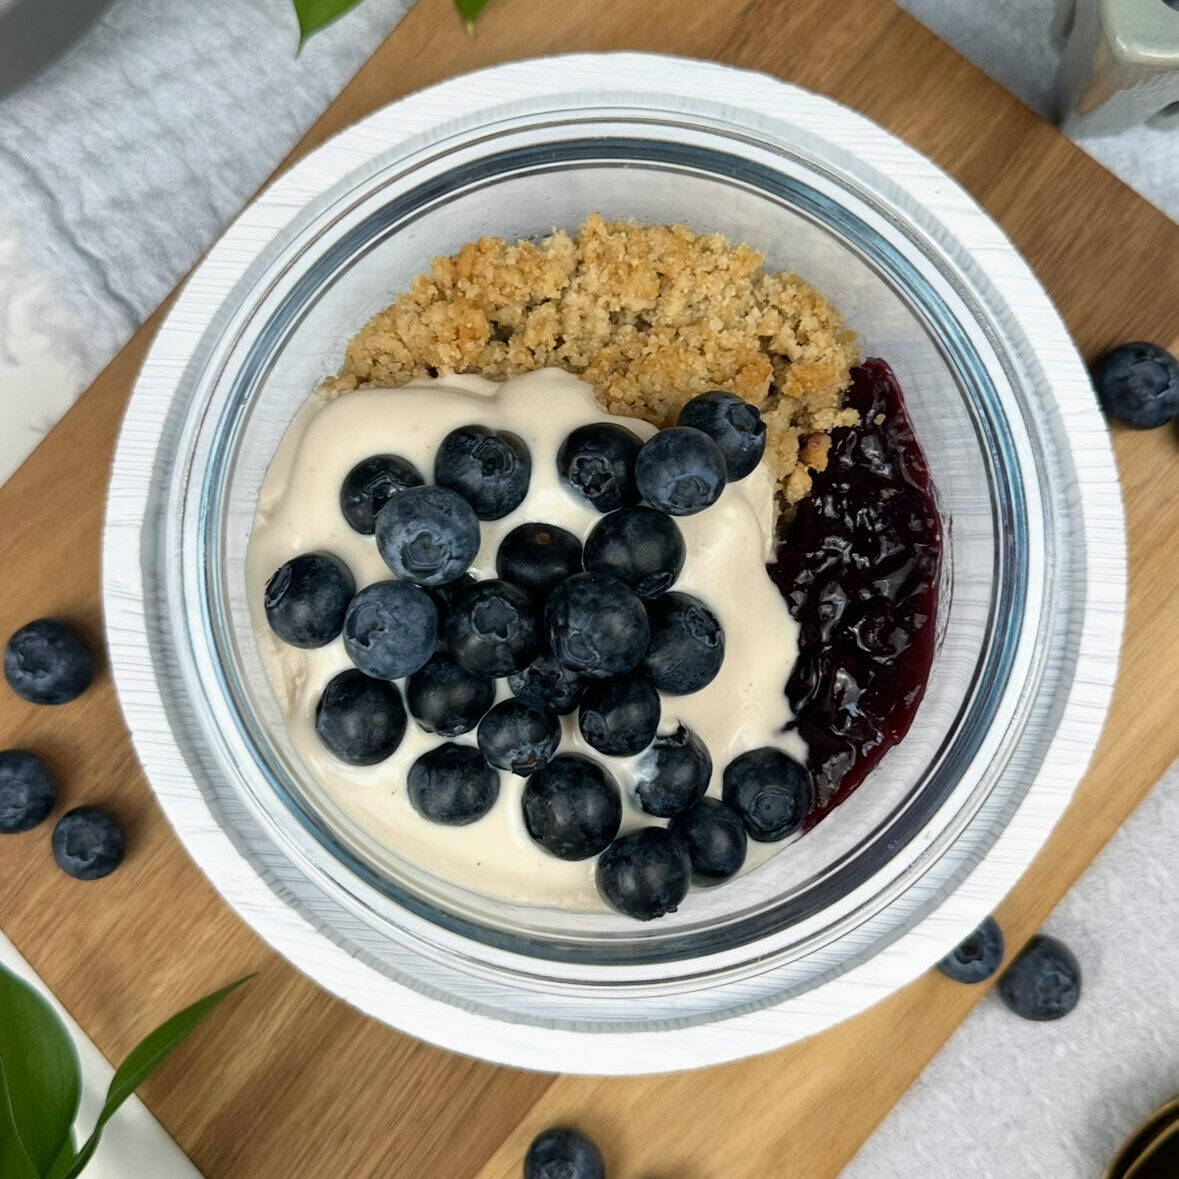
(363, 245)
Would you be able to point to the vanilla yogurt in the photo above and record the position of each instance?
(727, 545)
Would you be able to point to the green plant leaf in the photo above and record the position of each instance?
(14, 1163)
(470, 9)
(64, 1160)
(318, 14)
(142, 1061)
(42, 1075)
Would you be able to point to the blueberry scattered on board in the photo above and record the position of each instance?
(977, 957)
(28, 790)
(48, 662)
(1139, 384)
(88, 842)
(599, 632)
(1043, 982)
(562, 1153)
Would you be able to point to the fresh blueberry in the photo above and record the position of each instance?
(28, 791)
(645, 874)
(390, 629)
(572, 807)
(493, 629)
(371, 484)
(490, 469)
(452, 784)
(88, 842)
(547, 684)
(515, 736)
(538, 557)
(48, 662)
(687, 644)
(596, 625)
(733, 424)
(715, 839)
(428, 535)
(444, 598)
(978, 957)
(598, 462)
(680, 470)
(639, 546)
(1139, 384)
(770, 791)
(619, 716)
(447, 699)
(673, 773)
(563, 1154)
(359, 719)
(1044, 981)
(307, 597)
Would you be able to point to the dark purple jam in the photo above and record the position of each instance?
(859, 572)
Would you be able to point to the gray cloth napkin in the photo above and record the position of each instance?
(122, 163)
(1008, 1099)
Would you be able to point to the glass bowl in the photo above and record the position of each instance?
(1029, 620)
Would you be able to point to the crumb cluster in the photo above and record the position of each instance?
(649, 315)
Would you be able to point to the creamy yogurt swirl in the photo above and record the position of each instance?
(728, 546)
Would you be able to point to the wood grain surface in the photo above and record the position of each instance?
(286, 1081)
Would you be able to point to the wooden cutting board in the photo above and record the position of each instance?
(286, 1082)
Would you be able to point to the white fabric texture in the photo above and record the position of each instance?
(1009, 1099)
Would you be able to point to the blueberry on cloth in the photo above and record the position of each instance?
(1044, 981)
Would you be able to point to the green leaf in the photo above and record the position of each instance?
(317, 14)
(64, 1160)
(143, 1061)
(470, 9)
(42, 1074)
(14, 1163)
